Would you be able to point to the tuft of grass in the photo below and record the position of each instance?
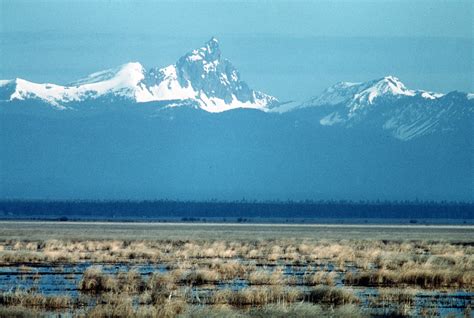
(303, 310)
(130, 282)
(258, 296)
(422, 277)
(222, 296)
(396, 295)
(172, 308)
(331, 296)
(23, 299)
(18, 312)
(95, 281)
(109, 310)
(230, 269)
(321, 278)
(262, 277)
(201, 277)
(216, 311)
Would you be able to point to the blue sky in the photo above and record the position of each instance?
(291, 49)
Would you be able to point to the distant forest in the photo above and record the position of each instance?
(195, 210)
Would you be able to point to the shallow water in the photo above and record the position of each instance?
(64, 280)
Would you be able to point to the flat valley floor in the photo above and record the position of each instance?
(100, 269)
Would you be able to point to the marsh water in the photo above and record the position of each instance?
(64, 280)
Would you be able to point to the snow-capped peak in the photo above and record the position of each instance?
(209, 52)
(132, 72)
(203, 76)
(393, 85)
(356, 95)
(388, 85)
(123, 81)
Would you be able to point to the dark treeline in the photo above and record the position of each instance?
(234, 209)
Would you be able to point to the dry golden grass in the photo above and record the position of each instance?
(265, 277)
(124, 309)
(178, 309)
(258, 296)
(331, 296)
(13, 311)
(94, 280)
(305, 310)
(321, 277)
(420, 277)
(200, 277)
(387, 255)
(423, 264)
(231, 269)
(195, 269)
(23, 299)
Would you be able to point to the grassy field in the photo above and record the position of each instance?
(215, 231)
(234, 270)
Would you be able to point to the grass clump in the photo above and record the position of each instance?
(95, 281)
(262, 277)
(428, 278)
(303, 310)
(216, 311)
(201, 277)
(331, 296)
(321, 278)
(256, 296)
(24, 299)
(18, 312)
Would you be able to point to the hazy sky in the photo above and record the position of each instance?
(291, 49)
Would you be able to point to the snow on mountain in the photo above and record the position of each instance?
(366, 93)
(204, 76)
(124, 81)
(388, 104)
(203, 79)
(201, 76)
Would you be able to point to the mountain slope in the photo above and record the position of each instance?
(387, 104)
(189, 153)
(202, 78)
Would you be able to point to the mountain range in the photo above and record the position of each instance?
(195, 129)
(201, 77)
